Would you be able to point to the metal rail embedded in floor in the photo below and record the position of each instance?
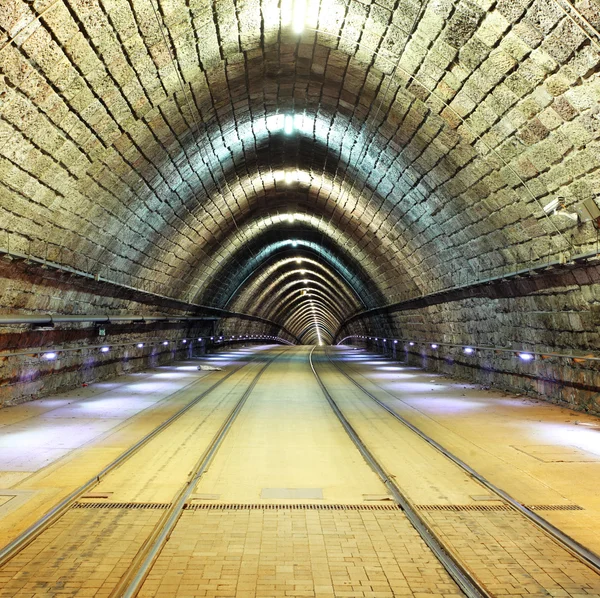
(131, 583)
(30, 534)
(465, 581)
(585, 555)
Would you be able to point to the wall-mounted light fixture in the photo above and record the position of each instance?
(586, 210)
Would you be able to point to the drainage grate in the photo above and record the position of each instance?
(312, 507)
(280, 507)
(456, 508)
(501, 507)
(121, 505)
(555, 508)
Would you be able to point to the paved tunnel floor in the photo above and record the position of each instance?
(287, 505)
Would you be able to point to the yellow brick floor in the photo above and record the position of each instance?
(264, 554)
(287, 438)
(84, 554)
(489, 543)
(512, 557)
(522, 445)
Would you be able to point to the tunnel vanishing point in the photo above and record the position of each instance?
(299, 298)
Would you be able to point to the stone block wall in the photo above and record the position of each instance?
(29, 290)
(549, 314)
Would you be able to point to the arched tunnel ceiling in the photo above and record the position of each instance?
(400, 146)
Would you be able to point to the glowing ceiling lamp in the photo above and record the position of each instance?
(299, 16)
(49, 356)
(288, 126)
(286, 13)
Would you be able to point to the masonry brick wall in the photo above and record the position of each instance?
(143, 146)
(28, 290)
(561, 319)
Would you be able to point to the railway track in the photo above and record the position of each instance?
(131, 583)
(469, 583)
(465, 581)
(215, 417)
(584, 554)
(152, 544)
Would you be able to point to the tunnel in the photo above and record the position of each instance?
(387, 201)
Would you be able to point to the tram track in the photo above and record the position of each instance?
(583, 553)
(512, 513)
(37, 531)
(468, 584)
(131, 583)
(163, 529)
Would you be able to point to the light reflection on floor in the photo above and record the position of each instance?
(570, 434)
(37, 433)
(431, 396)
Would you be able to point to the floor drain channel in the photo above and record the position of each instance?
(310, 507)
(555, 508)
(460, 508)
(121, 505)
(286, 507)
(501, 507)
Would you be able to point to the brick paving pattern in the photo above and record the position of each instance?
(511, 557)
(84, 554)
(264, 554)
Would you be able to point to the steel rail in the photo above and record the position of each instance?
(31, 533)
(588, 557)
(465, 581)
(136, 575)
